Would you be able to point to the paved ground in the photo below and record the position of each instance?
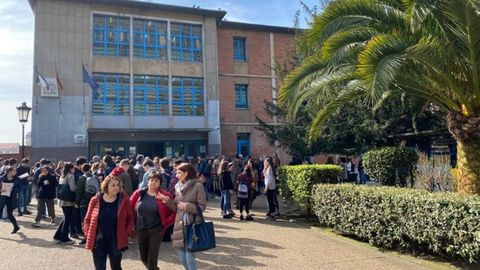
(259, 244)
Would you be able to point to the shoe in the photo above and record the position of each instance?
(231, 213)
(227, 216)
(36, 225)
(15, 230)
(74, 235)
(26, 212)
(20, 214)
(83, 242)
(52, 221)
(249, 218)
(66, 242)
(270, 218)
(241, 217)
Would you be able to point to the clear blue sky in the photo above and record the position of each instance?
(16, 47)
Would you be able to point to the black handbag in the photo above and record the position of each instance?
(198, 236)
(64, 193)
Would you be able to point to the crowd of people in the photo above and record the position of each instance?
(105, 201)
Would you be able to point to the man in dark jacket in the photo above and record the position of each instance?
(47, 183)
(23, 172)
(82, 196)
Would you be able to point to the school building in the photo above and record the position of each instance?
(172, 80)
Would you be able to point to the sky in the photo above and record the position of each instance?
(16, 46)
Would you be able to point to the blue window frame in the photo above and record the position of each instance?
(241, 96)
(186, 42)
(150, 95)
(114, 94)
(150, 39)
(187, 96)
(239, 49)
(111, 35)
(243, 144)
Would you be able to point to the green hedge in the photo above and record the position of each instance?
(446, 224)
(389, 163)
(296, 182)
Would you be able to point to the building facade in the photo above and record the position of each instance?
(172, 81)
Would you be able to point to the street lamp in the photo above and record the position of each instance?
(23, 112)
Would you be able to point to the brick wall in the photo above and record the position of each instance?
(256, 72)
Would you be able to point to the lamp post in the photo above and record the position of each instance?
(23, 112)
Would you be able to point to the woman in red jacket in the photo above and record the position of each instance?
(108, 223)
(152, 218)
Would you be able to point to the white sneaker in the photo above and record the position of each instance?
(36, 225)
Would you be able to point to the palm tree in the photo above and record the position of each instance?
(373, 49)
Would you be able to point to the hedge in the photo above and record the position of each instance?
(445, 224)
(296, 182)
(389, 163)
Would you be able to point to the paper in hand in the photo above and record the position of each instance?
(23, 176)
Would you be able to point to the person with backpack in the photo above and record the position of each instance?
(47, 183)
(165, 172)
(245, 183)
(87, 187)
(152, 219)
(65, 202)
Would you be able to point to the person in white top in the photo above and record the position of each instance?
(270, 186)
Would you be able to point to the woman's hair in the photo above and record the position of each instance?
(95, 167)
(67, 168)
(247, 171)
(106, 182)
(155, 176)
(189, 169)
(223, 167)
(270, 162)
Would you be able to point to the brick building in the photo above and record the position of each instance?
(173, 81)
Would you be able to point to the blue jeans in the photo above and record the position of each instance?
(188, 259)
(22, 196)
(225, 201)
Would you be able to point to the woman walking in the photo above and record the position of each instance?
(67, 178)
(189, 194)
(108, 223)
(152, 218)
(7, 186)
(47, 182)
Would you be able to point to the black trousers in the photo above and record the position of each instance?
(244, 203)
(271, 193)
(149, 245)
(8, 202)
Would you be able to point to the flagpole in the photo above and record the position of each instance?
(58, 86)
(83, 87)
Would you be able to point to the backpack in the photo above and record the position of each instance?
(243, 189)
(91, 185)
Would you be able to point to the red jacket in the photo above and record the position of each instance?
(125, 221)
(167, 216)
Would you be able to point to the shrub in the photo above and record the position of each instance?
(446, 224)
(296, 182)
(388, 164)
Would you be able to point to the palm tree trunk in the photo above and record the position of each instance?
(466, 131)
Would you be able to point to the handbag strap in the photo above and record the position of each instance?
(186, 218)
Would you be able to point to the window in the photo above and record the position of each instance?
(243, 144)
(239, 49)
(114, 94)
(111, 35)
(150, 95)
(150, 39)
(186, 42)
(241, 96)
(187, 96)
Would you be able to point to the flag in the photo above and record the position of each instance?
(41, 80)
(91, 81)
(59, 83)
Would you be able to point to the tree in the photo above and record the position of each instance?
(370, 49)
